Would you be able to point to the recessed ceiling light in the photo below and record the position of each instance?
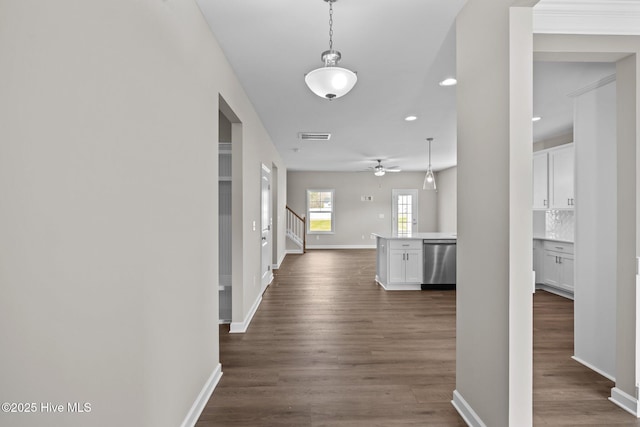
(448, 82)
(410, 118)
(536, 118)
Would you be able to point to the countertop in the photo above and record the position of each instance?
(552, 239)
(416, 236)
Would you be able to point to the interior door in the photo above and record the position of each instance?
(404, 213)
(265, 225)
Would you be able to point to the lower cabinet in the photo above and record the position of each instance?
(399, 263)
(404, 266)
(558, 265)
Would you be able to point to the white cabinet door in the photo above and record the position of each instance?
(396, 266)
(538, 260)
(550, 268)
(413, 266)
(405, 266)
(558, 267)
(540, 181)
(566, 272)
(561, 163)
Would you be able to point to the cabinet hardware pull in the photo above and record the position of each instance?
(545, 202)
(559, 247)
(559, 260)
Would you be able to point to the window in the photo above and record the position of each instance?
(320, 211)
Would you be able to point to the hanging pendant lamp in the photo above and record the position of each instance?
(331, 81)
(429, 179)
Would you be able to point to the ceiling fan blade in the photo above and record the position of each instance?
(393, 170)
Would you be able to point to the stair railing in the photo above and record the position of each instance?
(297, 228)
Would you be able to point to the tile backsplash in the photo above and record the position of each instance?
(559, 224)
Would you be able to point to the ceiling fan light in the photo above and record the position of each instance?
(331, 82)
(379, 172)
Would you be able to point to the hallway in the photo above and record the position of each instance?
(329, 347)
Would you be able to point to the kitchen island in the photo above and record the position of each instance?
(400, 262)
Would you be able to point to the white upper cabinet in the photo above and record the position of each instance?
(540, 181)
(561, 165)
(553, 181)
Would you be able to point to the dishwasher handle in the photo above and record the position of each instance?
(439, 242)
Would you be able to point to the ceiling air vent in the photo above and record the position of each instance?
(314, 136)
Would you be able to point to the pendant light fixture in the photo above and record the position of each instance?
(429, 180)
(330, 81)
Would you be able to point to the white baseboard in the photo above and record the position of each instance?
(241, 327)
(293, 251)
(202, 399)
(277, 266)
(466, 412)
(593, 368)
(341, 246)
(554, 290)
(405, 287)
(625, 401)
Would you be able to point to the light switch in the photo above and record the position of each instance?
(380, 216)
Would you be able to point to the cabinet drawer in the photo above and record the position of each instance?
(566, 248)
(405, 244)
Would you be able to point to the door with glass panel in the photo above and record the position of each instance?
(404, 214)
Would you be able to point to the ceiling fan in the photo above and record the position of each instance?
(380, 170)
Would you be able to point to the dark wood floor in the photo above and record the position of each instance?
(329, 347)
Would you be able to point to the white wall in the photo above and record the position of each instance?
(353, 217)
(108, 225)
(595, 230)
(447, 181)
(494, 307)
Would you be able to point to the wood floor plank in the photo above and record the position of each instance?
(329, 347)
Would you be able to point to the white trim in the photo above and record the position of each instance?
(403, 287)
(554, 290)
(610, 17)
(341, 247)
(466, 411)
(203, 397)
(293, 251)
(264, 288)
(593, 368)
(277, 266)
(241, 327)
(625, 401)
(593, 86)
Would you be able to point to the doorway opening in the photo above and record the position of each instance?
(605, 144)
(229, 257)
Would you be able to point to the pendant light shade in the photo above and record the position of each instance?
(331, 81)
(429, 179)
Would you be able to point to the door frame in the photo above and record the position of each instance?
(394, 208)
(266, 221)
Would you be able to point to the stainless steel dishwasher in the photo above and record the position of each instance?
(439, 264)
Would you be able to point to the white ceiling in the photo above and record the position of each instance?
(400, 50)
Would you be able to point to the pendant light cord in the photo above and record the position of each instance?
(330, 25)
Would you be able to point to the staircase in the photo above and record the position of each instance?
(296, 231)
